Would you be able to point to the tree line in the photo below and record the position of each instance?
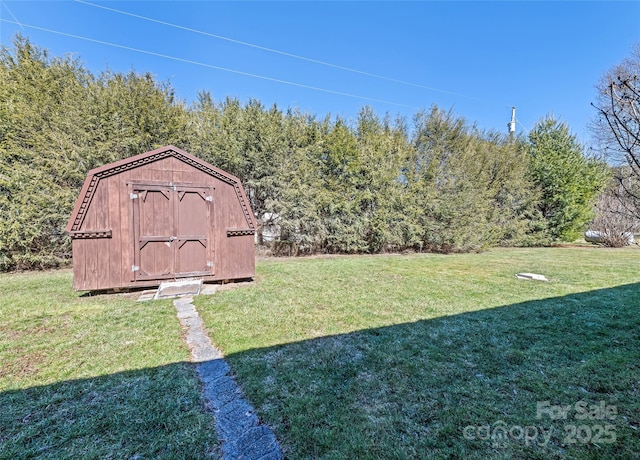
(376, 183)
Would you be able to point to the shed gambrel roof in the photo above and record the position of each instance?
(95, 175)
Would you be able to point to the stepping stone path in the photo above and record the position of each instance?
(237, 425)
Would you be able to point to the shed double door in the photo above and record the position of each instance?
(172, 231)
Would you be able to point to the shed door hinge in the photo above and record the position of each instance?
(209, 198)
(135, 268)
(133, 196)
(209, 264)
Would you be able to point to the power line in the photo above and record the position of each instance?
(203, 64)
(522, 125)
(11, 13)
(283, 53)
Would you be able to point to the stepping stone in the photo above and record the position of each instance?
(148, 294)
(242, 434)
(170, 289)
(531, 276)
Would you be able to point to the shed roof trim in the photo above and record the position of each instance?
(94, 176)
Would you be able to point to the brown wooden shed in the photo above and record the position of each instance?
(159, 216)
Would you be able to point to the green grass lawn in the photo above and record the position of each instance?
(441, 356)
(94, 376)
(416, 356)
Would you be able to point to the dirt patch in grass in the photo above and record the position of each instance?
(23, 366)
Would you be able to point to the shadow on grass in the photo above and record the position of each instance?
(150, 413)
(464, 386)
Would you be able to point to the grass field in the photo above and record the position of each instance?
(434, 356)
(94, 377)
(400, 356)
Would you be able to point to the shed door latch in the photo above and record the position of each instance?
(135, 268)
(133, 196)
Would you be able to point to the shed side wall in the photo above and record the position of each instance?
(234, 254)
(92, 256)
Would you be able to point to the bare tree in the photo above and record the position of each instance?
(617, 125)
(615, 223)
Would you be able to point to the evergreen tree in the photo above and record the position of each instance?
(43, 130)
(58, 121)
(568, 180)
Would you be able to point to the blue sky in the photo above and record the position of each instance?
(478, 58)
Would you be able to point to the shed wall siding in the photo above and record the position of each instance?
(93, 253)
(115, 246)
